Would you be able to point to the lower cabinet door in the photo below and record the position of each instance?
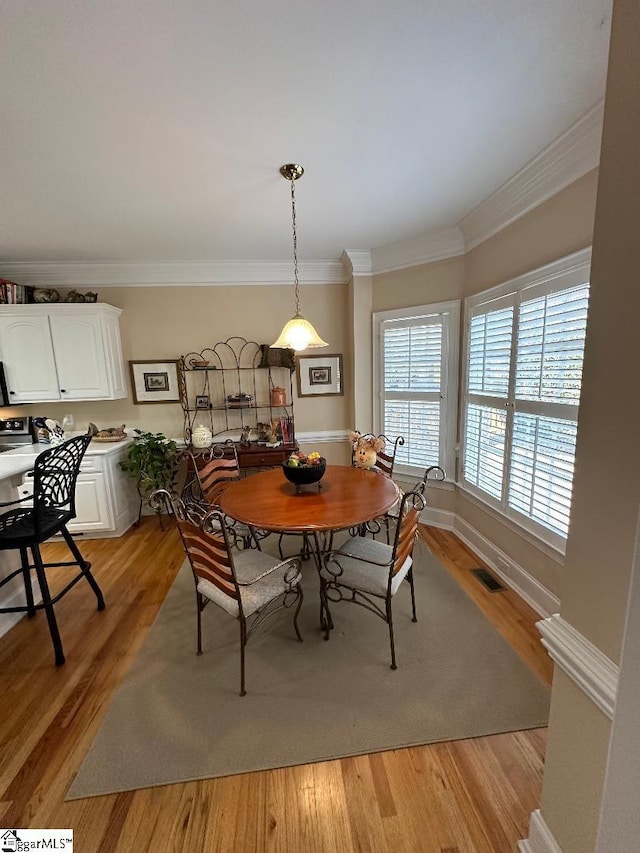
(93, 509)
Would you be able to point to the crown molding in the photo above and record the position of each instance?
(170, 273)
(569, 157)
(356, 263)
(424, 249)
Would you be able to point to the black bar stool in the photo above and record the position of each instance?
(54, 487)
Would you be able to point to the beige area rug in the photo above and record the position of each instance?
(179, 717)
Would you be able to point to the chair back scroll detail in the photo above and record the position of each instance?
(407, 530)
(55, 473)
(208, 554)
(386, 456)
(212, 471)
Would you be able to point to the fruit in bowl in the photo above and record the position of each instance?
(302, 469)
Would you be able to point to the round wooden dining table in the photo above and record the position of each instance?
(347, 497)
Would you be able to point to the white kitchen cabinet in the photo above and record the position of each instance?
(106, 498)
(64, 351)
(94, 512)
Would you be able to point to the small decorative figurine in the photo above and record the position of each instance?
(365, 449)
(56, 433)
(45, 294)
(245, 439)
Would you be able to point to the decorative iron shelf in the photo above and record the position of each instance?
(235, 367)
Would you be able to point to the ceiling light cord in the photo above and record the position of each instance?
(295, 246)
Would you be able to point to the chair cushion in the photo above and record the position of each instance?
(248, 565)
(17, 527)
(367, 576)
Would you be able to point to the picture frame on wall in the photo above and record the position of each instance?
(155, 381)
(320, 375)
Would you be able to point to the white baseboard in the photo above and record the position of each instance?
(514, 576)
(532, 591)
(540, 838)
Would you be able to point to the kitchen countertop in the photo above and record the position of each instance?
(21, 459)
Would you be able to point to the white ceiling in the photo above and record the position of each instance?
(153, 130)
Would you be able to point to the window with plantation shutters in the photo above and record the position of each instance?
(416, 353)
(524, 347)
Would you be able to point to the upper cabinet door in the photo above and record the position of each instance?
(80, 356)
(62, 351)
(29, 361)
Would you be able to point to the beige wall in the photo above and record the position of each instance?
(421, 285)
(602, 536)
(559, 227)
(577, 746)
(166, 322)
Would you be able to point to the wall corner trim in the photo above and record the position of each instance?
(540, 838)
(356, 262)
(594, 673)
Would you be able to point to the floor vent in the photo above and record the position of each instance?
(488, 580)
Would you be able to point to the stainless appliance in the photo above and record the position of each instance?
(15, 432)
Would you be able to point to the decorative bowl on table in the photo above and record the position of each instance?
(304, 470)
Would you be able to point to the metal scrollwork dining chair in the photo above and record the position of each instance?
(432, 474)
(208, 474)
(369, 572)
(26, 527)
(249, 585)
(385, 462)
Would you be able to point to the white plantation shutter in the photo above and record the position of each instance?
(524, 352)
(551, 332)
(413, 355)
(416, 352)
(541, 475)
(485, 441)
(489, 366)
(418, 423)
(490, 351)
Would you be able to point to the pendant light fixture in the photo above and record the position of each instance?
(298, 333)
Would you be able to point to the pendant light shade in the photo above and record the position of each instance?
(298, 333)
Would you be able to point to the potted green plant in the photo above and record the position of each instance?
(153, 459)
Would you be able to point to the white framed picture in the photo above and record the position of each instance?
(155, 381)
(319, 375)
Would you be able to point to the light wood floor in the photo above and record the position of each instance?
(470, 796)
